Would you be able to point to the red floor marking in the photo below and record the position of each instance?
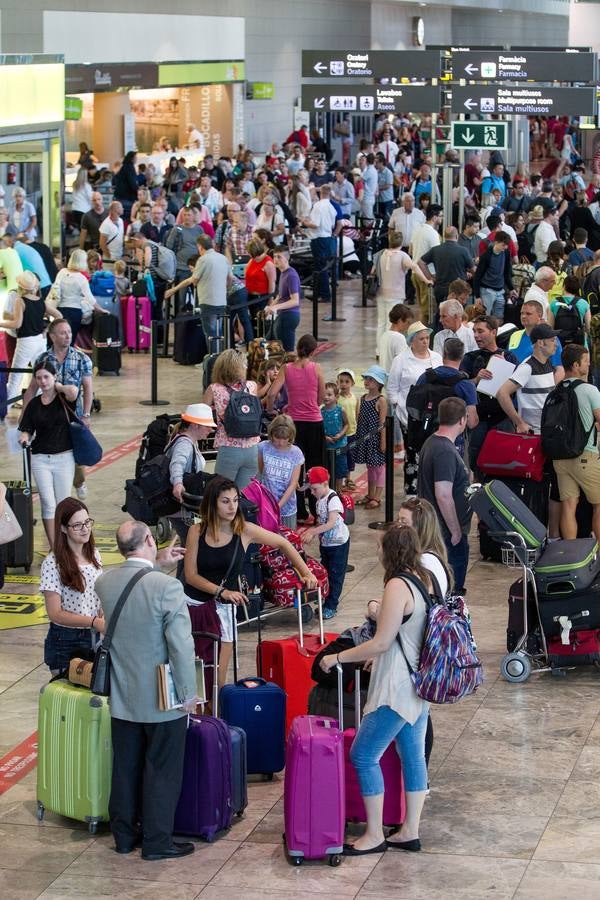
(322, 348)
(18, 762)
(116, 453)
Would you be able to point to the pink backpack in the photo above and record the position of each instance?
(269, 514)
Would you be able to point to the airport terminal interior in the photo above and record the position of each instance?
(512, 810)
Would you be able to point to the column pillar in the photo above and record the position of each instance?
(109, 110)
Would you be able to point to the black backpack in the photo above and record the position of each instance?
(422, 406)
(562, 431)
(155, 439)
(243, 414)
(568, 322)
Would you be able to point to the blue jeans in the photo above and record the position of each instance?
(62, 644)
(335, 560)
(285, 328)
(377, 731)
(322, 250)
(239, 464)
(458, 557)
(212, 318)
(493, 302)
(242, 313)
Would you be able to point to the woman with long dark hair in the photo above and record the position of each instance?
(67, 581)
(393, 710)
(214, 558)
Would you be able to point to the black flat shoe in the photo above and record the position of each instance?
(350, 850)
(173, 852)
(412, 846)
(128, 848)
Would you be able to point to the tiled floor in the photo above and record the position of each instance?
(514, 810)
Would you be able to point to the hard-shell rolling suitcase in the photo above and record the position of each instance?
(514, 455)
(394, 802)
(107, 344)
(19, 554)
(581, 649)
(288, 662)
(74, 753)
(314, 791)
(189, 345)
(582, 608)
(503, 511)
(138, 324)
(566, 566)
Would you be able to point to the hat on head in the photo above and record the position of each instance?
(518, 180)
(377, 373)
(347, 372)
(318, 475)
(28, 281)
(542, 332)
(199, 414)
(415, 328)
(536, 214)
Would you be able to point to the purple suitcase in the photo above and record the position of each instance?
(137, 323)
(314, 790)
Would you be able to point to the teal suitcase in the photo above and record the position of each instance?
(74, 753)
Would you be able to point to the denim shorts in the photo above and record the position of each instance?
(62, 644)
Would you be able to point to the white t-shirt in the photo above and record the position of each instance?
(424, 238)
(535, 292)
(114, 237)
(464, 334)
(339, 534)
(84, 604)
(432, 563)
(391, 344)
(404, 372)
(323, 215)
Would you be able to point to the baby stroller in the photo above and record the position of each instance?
(554, 609)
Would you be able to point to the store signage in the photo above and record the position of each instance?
(260, 90)
(176, 74)
(527, 100)
(524, 65)
(479, 135)
(98, 77)
(73, 108)
(371, 64)
(370, 98)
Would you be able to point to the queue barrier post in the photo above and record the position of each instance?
(154, 401)
(331, 466)
(389, 476)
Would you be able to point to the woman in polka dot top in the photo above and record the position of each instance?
(67, 582)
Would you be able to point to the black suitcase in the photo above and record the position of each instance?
(489, 548)
(567, 566)
(581, 607)
(19, 554)
(216, 345)
(107, 345)
(515, 627)
(189, 346)
(323, 701)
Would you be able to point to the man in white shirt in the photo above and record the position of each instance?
(451, 313)
(321, 224)
(406, 219)
(388, 147)
(112, 232)
(296, 160)
(195, 139)
(545, 234)
(369, 185)
(544, 280)
(425, 237)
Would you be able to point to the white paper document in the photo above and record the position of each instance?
(501, 371)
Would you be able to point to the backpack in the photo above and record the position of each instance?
(166, 263)
(568, 322)
(347, 501)
(562, 431)
(155, 439)
(523, 274)
(595, 341)
(174, 239)
(243, 414)
(102, 283)
(449, 668)
(422, 406)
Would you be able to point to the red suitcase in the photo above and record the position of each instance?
(583, 649)
(512, 455)
(137, 319)
(288, 663)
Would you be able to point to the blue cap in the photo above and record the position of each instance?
(377, 373)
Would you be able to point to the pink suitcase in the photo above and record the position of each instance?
(394, 801)
(313, 796)
(137, 319)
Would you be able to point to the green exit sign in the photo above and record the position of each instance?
(479, 135)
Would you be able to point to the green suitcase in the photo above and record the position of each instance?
(74, 753)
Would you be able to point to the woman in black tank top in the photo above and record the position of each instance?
(27, 319)
(214, 558)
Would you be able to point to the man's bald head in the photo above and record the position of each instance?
(131, 537)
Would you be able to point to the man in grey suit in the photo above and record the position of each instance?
(148, 744)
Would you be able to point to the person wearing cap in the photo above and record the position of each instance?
(370, 435)
(406, 369)
(333, 534)
(186, 461)
(27, 320)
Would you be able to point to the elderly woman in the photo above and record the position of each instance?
(271, 216)
(71, 292)
(406, 370)
(22, 215)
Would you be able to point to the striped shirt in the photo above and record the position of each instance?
(535, 380)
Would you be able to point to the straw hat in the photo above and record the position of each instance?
(536, 214)
(415, 328)
(199, 414)
(28, 282)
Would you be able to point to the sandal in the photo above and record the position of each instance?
(362, 501)
(350, 485)
(372, 503)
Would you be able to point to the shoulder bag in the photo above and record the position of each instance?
(10, 530)
(100, 679)
(86, 449)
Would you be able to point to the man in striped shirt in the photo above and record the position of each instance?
(531, 381)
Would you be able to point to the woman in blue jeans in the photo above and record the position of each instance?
(286, 305)
(393, 710)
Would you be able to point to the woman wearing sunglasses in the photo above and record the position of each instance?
(68, 577)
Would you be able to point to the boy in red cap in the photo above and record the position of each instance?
(333, 534)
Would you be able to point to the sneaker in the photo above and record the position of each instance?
(82, 491)
(329, 613)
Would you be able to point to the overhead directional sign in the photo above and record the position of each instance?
(524, 65)
(370, 98)
(528, 100)
(371, 64)
(479, 135)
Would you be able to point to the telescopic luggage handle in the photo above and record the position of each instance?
(320, 607)
(215, 638)
(340, 676)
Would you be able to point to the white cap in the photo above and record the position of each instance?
(199, 414)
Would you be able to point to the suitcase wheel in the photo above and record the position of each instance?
(164, 530)
(93, 827)
(308, 614)
(515, 667)
(335, 859)
(40, 811)
(96, 405)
